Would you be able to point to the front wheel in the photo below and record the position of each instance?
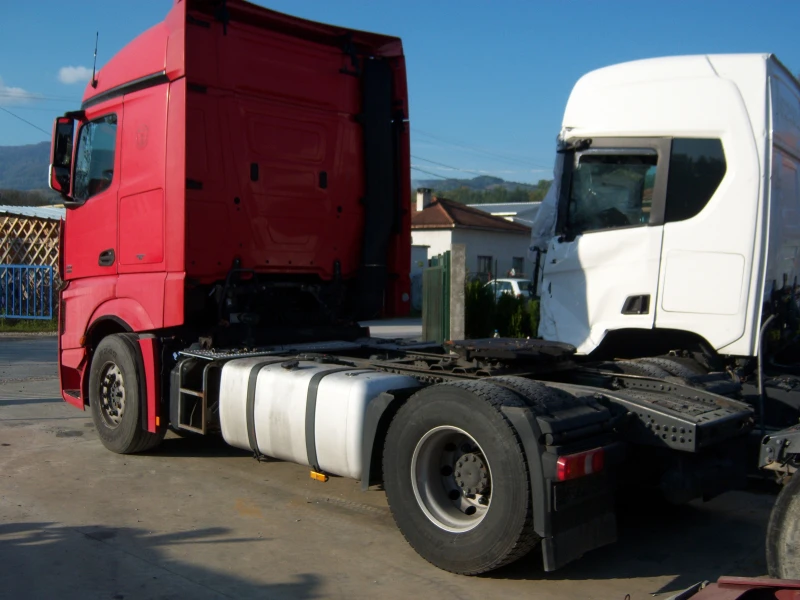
(457, 480)
(116, 392)
(783, 533)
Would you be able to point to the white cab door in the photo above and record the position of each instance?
(601, 270)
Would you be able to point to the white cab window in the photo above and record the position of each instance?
(611, 189)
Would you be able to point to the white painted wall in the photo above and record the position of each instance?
(437, 240)
(419, 258)
(500, 246)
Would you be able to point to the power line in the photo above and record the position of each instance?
(518, 160)
(47, 133)
(428, 172)
(480, 173)
(25, 96)
(460, 144)
(50, 110)
(433, 162)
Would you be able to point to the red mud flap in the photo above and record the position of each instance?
(732, 588)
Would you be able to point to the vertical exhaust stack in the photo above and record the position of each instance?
(381, 187)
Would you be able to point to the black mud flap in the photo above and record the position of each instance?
(571, 517)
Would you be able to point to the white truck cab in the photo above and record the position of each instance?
(676, 201)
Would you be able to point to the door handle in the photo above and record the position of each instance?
(106, 258)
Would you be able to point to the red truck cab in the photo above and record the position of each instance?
(234, 176)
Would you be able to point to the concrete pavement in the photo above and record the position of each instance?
(197, 519)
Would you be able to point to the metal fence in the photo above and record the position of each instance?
(26, 292)
(436, 299)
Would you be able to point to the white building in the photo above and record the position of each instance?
(516, 212)
(494, 244)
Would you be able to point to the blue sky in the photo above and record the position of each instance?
(487, 80)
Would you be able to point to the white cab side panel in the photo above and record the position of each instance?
(715, 289)
(587, 281)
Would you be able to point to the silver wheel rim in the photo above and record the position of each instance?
(452, 479)
(112, 395)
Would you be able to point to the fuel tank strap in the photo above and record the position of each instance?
(311, 412)
(251, 400)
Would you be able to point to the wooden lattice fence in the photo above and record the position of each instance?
(28, 240)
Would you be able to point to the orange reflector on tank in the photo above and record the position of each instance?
(572, 466)
(319, 476)
(158, 421)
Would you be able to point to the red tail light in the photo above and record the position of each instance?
(572, 466)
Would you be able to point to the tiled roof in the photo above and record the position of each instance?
(51, 213)
(448, 214)
(506, 208)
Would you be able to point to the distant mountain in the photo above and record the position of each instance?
(480, 183)
(483, 190)
(24, 167)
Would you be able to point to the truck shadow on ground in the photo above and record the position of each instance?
(691, 543)
(44, 560)
(189, 445)
(696, 542)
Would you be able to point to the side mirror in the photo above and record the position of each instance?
(61, 155)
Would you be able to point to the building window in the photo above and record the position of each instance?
(517, 266)
(485, 265)
(696, 169)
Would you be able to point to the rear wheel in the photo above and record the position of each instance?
(457, 480)
(783, 533)
(116, 393)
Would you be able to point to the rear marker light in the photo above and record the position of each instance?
(572, 466)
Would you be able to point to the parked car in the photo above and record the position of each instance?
(521, 288)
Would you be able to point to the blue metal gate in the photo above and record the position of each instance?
(26, 292)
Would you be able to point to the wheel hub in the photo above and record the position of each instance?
(112, 395)
(451, 478)
(471, 474)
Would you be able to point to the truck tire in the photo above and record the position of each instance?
(643, 369)
(457, 479)
(673, 367)
(116, 393)
(542, 400)
(783, 533)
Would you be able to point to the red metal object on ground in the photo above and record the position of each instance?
(733, 588)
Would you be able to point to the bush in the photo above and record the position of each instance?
(509, 316)
(478, 311)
